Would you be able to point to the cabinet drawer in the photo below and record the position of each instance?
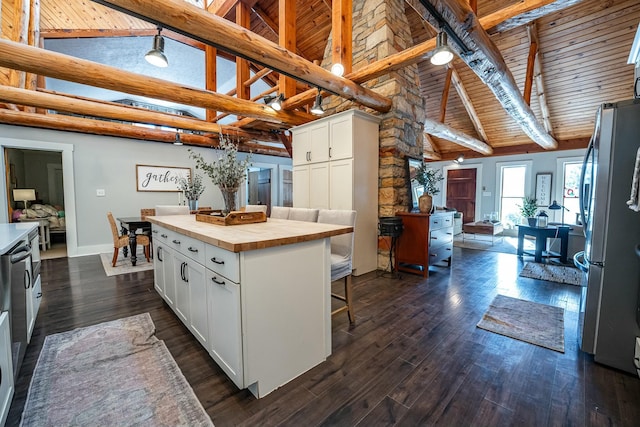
(223, 262)
(192, 248)
(440, 221)
(441, 236)
(440, 253)
(161, 234)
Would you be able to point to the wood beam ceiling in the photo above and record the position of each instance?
(52, 64)
(532, 32)
(193, 22)
(488, 64)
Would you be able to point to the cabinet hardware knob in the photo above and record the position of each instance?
(218, 282)
(217, 261)
(177, 242)
(192, 249)
(164, 236)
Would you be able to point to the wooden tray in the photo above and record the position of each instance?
(233, 218)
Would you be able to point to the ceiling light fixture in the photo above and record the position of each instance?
(156, 55)
(442, 54)
(177, 141)
(459, 159)
(275, 102)
(317, 106)
(337, 69)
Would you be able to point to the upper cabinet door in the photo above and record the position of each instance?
(341, 138)
(300, 146)
(319, 140)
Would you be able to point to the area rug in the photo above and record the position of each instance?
(123, 265)
(552, 273)
(527, 321)
(112, 374)
(508, 245)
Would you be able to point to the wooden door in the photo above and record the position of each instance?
(461, 192)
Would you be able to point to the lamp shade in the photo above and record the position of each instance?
(156, 55)
(24, 194)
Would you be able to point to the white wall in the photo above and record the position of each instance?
(109, 163)
(486, 201)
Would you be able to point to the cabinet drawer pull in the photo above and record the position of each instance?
(177, 242)
(448, 249)
(164, 236)
(217, 282)
(449, 234)
(39, 295)
(155, 231)
(191, 249)
(217, 261)
(434, 238)
(436, 222)
(159, 254)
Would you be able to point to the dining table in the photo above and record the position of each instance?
(130, 225)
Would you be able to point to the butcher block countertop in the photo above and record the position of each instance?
(247, 237)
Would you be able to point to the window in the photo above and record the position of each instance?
(512, 187)
(569, 171)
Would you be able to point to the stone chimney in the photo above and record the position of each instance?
(381, 28)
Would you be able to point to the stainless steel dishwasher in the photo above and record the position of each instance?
(16, 265)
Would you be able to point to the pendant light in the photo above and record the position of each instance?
(317, 106)
(442, 54)
(156, 55)
(337, 69)
(274, 102)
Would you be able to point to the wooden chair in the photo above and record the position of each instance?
(341, 255)
(123, 241)
(144, 213)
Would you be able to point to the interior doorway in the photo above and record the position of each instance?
(260, 187)
(461, 192)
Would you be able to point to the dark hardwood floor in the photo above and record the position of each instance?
(413, 358)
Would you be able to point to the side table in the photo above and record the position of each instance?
(45, 237)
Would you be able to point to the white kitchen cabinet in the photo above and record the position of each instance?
(311, 185)
(34, 296)
(312, 144)
(225, 327)
(347, 180)
(6, 367)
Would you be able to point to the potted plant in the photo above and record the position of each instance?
(192, 189)
(228, 173)
(429, 179)
(528, 210)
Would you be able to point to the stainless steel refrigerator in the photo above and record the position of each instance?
(608, 326)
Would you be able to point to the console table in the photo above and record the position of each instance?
(426, 239)
(541, 234)
(487, 228)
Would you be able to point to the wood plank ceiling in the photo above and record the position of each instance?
(582, 55)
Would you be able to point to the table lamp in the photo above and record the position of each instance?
(24, 194)
(555, 206)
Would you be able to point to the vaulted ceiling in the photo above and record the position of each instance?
(578, 60)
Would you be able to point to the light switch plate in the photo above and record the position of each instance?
(100, 192)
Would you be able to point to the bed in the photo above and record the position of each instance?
(54, 214)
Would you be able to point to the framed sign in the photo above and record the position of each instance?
(159, 178)
(543, 189)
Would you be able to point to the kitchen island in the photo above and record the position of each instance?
(256, 296)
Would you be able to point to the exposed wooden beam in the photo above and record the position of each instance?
(287, 142)
(509, 150)
(211, 75)
(52, 64)
(110, 110)
(531, 60)
(489, 65)
(468, 105)
(532, 32)
(287, 40)
(221, 7)
(137, 32)
(341, 38)
(193, 22)
(431, 155)
(447, 132)
(445, 95)
(416, 53)
(243, 20)
(527, 11)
